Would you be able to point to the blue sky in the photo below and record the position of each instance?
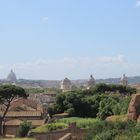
(52, 39)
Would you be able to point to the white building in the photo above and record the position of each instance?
(66, 85)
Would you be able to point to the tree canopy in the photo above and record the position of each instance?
(10, 92)
(101, 101)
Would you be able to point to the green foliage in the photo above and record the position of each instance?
(124, 90)
(50, 127)
(80, 122)
(101, 101)
(9, 92)
(105, 108)
(113, 131)
(24, 129)
(137, 137)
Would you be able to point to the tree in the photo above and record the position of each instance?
(7, 94)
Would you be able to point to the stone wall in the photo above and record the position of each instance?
(68, 136)
(10, 130)
(134, 107)
(56, 135)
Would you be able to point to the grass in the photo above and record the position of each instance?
(63, 123)
(50, 127)
(80, 122)
(117, 118)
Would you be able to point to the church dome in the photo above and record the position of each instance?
(11, 77)
(66, 85)
(66, 81)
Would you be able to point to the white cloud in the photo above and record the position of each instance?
(138, 3)
(114, 59)
(45, 19)
(74, 68)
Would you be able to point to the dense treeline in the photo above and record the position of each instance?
(111, 88)
(101, 101)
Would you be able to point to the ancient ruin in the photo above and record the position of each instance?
(134, 107)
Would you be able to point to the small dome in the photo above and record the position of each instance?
(66, 85)
(11, 77)
(66, 81)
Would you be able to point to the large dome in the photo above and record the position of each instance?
(11, 77)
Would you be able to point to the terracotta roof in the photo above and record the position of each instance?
(23, 114)
(17, 122)
(21, 101)
(26, 104)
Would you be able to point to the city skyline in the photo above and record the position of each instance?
(57, 39)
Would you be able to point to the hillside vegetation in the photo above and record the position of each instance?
(99, 102)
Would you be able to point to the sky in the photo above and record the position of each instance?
(54, 39)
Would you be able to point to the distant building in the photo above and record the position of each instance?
(91, 82)
(11, 77)
(124, 80)
(43, 98)
(66, 85)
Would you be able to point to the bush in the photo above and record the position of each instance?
(137, 137)
(114, 131)
(24, 129)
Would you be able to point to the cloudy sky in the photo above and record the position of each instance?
(52, 39)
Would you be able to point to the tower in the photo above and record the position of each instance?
(91, 82)
(124, 80)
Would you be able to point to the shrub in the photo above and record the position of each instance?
(137, 137)
(24, 129)
(104, 130)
